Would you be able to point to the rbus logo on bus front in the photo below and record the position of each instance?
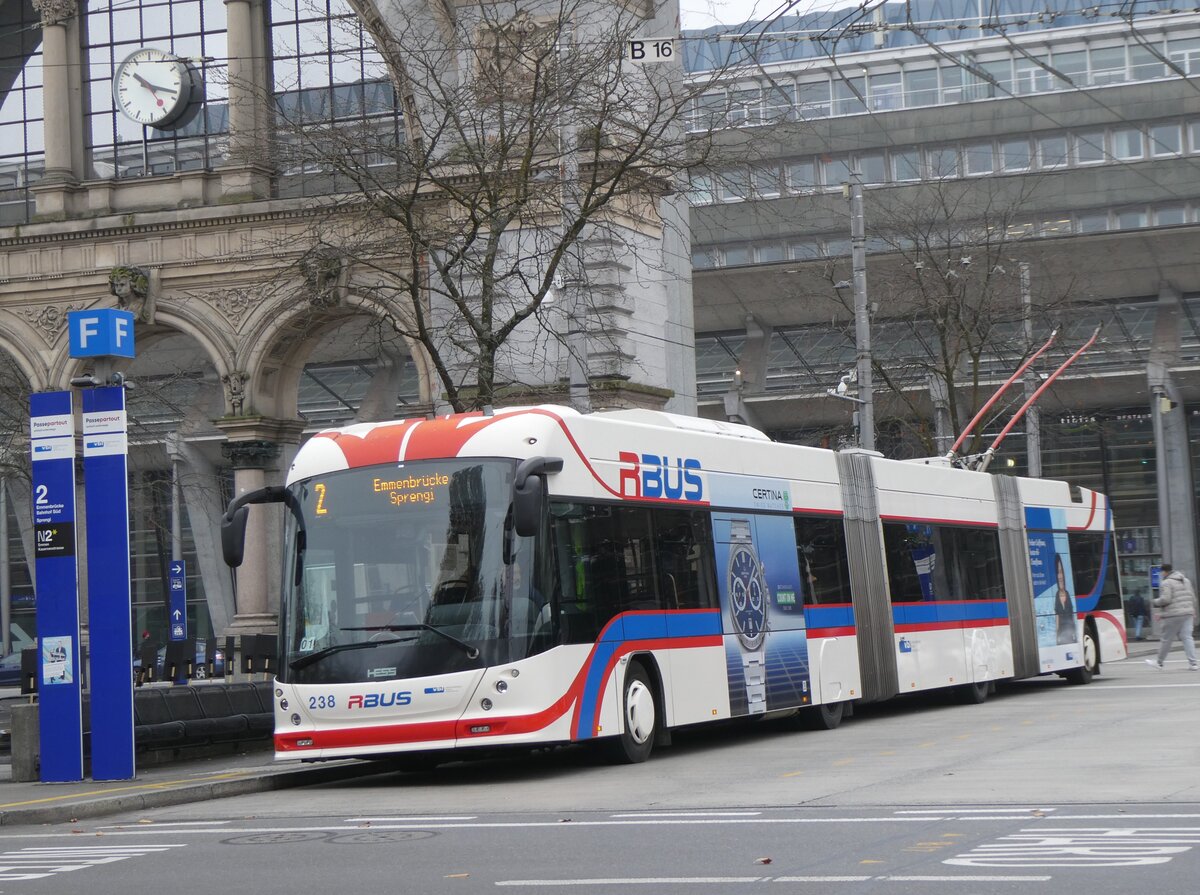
(660, 478)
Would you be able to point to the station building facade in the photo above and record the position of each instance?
(1076, 133)
(1032, 166)
(250, 337)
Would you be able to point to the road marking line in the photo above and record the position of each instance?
(165, 823)
(400, 820)
(967, 879)
(341, 828)
(635, 881)
(691, 814)
(727, 880)
(968, 810)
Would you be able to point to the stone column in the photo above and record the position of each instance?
(1176, 504)
(253, 450)
(60, 78)
(247, 174)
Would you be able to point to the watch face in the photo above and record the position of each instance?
(152, 87)
(747, 597)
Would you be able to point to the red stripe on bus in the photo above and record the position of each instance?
(630, 646)
(948, 602)
(1091, 516)
(1116, 623)
(818, 633)
(949, 626)
(931, 521)
(357, 737)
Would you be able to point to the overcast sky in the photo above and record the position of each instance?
(703, 13)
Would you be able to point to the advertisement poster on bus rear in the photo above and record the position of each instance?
(1053, 592)
(762, 611)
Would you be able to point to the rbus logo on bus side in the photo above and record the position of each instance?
(379, 700)
(652, 476)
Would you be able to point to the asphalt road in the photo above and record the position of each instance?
(1045, 788)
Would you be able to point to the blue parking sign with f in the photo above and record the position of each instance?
(105, 332)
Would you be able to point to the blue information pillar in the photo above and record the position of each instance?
(106, 492)
(52, 445)
(177, 580)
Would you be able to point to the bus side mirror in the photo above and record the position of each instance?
(527, 506)
(529, 490)
(233, 536)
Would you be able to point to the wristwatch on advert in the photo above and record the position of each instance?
(748, 601)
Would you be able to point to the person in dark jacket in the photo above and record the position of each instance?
(1136, 606)
(1176, 603)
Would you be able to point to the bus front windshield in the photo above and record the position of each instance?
(404, 571)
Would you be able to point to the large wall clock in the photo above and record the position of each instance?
(156, 89)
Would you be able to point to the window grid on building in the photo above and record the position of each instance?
(191, 29)
(979, 74)
(22, 149)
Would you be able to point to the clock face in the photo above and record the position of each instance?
(152, 87)
(747, 597)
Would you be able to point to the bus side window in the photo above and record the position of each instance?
(1088, 561)
(685, 579)
(976, 552)
(605, 568)
(824, 565)
(911, 561)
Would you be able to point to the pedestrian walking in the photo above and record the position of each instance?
(1176, 601)
(1137, 614)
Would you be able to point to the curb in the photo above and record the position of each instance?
(102, 806)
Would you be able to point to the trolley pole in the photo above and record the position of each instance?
(862, 315)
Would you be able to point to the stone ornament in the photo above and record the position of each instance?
(254, 454)
(327, 276)
(132, 287)
(235, 391)
(50, 320)
(55, 12)
(230, 304)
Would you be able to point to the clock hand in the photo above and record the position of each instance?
(152, 87)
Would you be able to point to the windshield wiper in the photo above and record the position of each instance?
(312, 658)
(472, 652)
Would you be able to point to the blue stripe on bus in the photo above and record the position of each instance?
(840, 616)
(636, 626)
(647, 625)
(948, 611)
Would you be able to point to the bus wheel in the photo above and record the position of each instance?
(976, 693)
(1091, 660)
(826, 716)
(639, 712)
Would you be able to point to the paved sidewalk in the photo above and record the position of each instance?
(177, 783)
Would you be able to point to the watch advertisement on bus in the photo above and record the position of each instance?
(762, 611)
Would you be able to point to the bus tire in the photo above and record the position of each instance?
(826, 716)
(1091, 659)
(639, 717)
(976, 693)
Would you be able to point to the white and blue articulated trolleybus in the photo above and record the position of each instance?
(537, 577)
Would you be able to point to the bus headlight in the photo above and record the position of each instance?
(501, 686)
(296, 719)
(485, 704)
